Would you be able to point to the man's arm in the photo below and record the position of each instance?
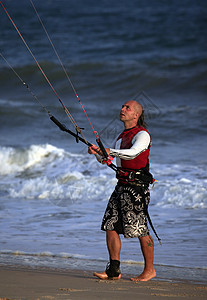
(140, 143)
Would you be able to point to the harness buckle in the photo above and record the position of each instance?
(131, 176)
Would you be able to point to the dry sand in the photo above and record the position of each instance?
(24, 283)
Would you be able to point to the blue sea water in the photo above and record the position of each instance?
(52, 193)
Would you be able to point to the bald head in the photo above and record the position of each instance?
(130, 113)
(136, 106)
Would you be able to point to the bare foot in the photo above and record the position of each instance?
(104, 276)
(145, 276)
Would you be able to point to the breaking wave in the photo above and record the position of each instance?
(48, 172)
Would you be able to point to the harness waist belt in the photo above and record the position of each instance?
(139, 176)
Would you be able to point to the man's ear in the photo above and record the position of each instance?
(137, 116)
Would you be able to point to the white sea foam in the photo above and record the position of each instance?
(180, 186)
(183, 194)
(42, 254)
(18, 160)
(47, 172)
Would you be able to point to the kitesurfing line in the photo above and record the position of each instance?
(24, 83)
(52, 118)
(72, 85)
(58, 123)
(78, 129)
(43, 73)
(63, 67)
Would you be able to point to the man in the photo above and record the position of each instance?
(126, 212)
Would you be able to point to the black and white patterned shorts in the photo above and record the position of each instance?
(126, 213)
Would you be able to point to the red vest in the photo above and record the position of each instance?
(142, 160)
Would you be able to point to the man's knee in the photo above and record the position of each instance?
(111, 234)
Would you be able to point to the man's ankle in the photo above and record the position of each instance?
(113, 268)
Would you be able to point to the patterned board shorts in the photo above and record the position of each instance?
(126, 213)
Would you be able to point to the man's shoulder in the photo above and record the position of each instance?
(136, 130)
(127, 133)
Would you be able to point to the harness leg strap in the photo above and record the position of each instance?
(113, 268)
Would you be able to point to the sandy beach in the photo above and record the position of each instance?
(25, 283)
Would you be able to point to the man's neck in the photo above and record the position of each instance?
(129, 125)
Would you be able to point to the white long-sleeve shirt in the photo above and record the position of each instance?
(140, 142)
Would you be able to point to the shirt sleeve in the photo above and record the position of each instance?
(140, 142)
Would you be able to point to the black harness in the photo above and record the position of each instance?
(141, 177)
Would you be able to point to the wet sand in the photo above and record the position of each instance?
(27, 283)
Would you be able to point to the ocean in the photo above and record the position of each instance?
(52, 193)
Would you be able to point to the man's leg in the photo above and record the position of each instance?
(114, 248)
(113, 244)
(147, 246)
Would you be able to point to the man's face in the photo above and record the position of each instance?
(128, 112)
